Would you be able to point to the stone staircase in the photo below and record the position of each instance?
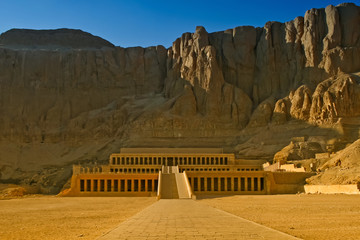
(181, 186)
(169, 187)
(173, 185)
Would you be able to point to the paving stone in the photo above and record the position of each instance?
(188, 219)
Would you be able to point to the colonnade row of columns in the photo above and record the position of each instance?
(90, 169)
(215, 169)
(134, 170)
(198, 184)
(118, 185)
(169, 161)
(227, 184)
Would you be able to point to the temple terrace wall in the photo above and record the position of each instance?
(135, 172)
(333, 189)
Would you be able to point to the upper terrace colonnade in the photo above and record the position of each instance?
(171, 156)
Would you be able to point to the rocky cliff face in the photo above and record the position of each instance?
(67, 96)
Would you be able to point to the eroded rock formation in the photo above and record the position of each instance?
(67, 96)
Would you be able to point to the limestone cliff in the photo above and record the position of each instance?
(67, 96)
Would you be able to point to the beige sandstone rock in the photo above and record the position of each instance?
(336, 98)
(301, 103)
(263, 113)
(185, 105)
(281, 111)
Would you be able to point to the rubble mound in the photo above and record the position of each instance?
(12, 192)
(342, 168)
(298, 151)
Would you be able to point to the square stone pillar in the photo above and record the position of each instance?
(246, 184)
(105, 185)
(198, 184)
(85, 185)
(232, 184)
(205, 184)
(132, 185)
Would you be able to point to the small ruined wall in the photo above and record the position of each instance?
(286, 182)
(291, 177)
(292, 168)
(333, 189)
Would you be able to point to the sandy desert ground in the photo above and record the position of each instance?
(50, 217)
(304, 216)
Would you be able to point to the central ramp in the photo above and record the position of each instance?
(173, 184)
(188, 219)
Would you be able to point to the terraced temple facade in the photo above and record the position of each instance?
(179, 173)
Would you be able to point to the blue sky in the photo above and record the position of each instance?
(148, 23)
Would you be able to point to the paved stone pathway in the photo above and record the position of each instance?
(188, 219)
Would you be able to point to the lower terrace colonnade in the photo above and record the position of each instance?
(226, 184)
(200, 185)
(118, 185)
(111, 184)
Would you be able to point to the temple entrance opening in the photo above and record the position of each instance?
(170, 161)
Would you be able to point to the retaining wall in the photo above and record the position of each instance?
(333, 189)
